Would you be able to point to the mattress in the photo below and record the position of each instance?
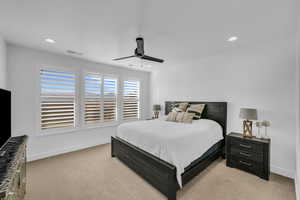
(176, 143)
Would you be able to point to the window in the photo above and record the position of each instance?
(131, 95)
(57, 99)
(100, 102)
(110, 99)
(61, 94)
(92, 98)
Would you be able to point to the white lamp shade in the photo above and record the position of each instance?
(248, 113)
(156, 107)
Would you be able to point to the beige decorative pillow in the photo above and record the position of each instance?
(172, 116)
(176, 109)
(183, 106)
(197, 109)
(188, 117)
(179, 116)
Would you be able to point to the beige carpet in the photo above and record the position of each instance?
(92, 174)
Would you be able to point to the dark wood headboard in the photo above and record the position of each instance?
(216, 111)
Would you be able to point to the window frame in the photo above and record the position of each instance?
(82, 103)
(117, 98)
(79, 110)
(139, 99)
(51, 131)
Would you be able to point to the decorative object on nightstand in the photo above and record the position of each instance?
(156, 109)
(266, 124)
(248, 114)
(258, 125)
(248, 154)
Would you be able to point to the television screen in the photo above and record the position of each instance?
(5, 116)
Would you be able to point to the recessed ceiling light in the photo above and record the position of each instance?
(232, 39)
(49, 40)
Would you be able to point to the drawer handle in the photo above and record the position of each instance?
(2, 153)
(246, 146)
(245, 154)
(10, 193)
(245, 163)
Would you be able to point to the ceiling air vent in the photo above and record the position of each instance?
(74, 53)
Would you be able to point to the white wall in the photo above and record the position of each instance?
(3, 71)
(262, 77)
(23, 64)
(297, 178)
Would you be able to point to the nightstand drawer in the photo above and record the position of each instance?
(246, 165)
(258, 157)
(247, 146)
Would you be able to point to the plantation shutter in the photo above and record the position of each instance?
(92, 98)
(131, 95)
(109, 99)
(57, 99)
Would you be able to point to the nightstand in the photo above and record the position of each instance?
(248, 154)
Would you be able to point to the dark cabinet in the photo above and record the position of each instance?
(249, 154)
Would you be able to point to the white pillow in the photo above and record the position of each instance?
(177, 110)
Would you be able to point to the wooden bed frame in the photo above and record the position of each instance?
(159, 173)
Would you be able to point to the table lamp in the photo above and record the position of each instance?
(156, 109)
(248, 114)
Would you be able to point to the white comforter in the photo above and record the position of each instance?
(176, 143)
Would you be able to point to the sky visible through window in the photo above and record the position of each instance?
(57, 83)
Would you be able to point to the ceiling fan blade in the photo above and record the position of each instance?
(124, 57)
(152, 59)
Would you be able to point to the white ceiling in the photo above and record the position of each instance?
(174, 30)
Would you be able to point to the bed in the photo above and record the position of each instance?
(159, 168)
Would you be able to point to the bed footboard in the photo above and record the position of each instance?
(157, 172)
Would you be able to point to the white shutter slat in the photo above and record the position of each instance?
(131, 95)
(57, 125)
(57, 99)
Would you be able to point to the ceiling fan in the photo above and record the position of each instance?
(139, 52)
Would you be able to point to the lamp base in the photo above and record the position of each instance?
(247, 128)
(156, 114)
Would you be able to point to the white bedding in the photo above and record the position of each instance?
(176, 143)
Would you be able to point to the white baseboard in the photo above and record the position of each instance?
(283, 172)
(61, 151)
(274, 169)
